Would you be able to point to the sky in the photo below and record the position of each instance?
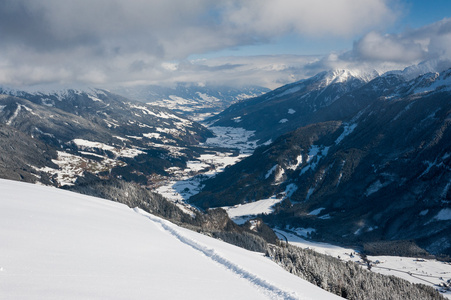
(108, 43)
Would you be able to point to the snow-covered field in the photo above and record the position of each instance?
(242, 212)
(55, 244)
(426, 271)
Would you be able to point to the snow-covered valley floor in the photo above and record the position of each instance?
(186, 183)
(55, 244)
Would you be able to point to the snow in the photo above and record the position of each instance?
(278, 178)
(188, 182)
(242, 212)
(297, 164)
(316, 212)
(323, 248)
(342, 75)
(83, 144)
(95, 99)
(207, 98)
(374, 187)
(348, 129)
(305, 232)
(291, 91)
(290, 189)
(443, 215)
(92, 154)
(72, 166)
(130, 152)
(309, 193)
(121, 138)
(271, 171)
(231, 137)
(62, 245)
(120, 152)
(436, 82)
(424, 212)
(15, 114)
(426, 271)
(315, 154)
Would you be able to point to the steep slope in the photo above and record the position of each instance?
(19, 152)
(383, 174)
(291, 106)
(64, 245)
(103, 134)
(195, 101)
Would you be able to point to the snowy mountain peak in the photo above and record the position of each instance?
(432, 82)
(343, 75)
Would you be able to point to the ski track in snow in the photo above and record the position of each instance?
(270, 290)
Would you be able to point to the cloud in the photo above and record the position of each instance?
(375, 46)
(115, 41)
(266, 70)
(429, 45)
(429, 42)
(310, 17)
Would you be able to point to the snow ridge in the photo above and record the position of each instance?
(267, 288)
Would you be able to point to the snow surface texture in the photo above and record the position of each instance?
(60, 245)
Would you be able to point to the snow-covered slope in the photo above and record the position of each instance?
(56, 244)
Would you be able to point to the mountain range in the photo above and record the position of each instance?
(366, 151)
(95, 133)
(353, 158)
(194, 101)
(371, 163)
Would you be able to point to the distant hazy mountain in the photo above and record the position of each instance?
(197, 102)
(372, 163)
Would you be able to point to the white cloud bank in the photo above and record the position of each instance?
(428, 42)
(111, 42)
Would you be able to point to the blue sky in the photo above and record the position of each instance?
(410, 14)
(419, 13)
(264, 42)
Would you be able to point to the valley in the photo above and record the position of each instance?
(296, 159)
(172, 149)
